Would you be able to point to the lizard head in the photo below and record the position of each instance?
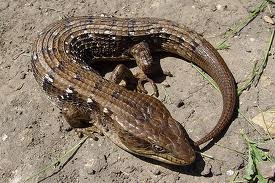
(159, 137)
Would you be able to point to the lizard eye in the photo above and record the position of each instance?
(158, 149)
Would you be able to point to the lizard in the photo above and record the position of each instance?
(62, 59)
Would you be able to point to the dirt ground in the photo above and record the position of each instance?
(33, 132)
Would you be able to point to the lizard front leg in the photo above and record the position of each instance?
(81, 120)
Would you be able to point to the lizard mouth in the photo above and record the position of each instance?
(173, 160)
(167, 158)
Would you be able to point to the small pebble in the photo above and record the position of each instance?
(91, 172)
(68, 129)
(221, 7)
(214, 8)
(93, 166)
(23, 75)
(268, 19)
(180, 103)
(229, 172)
(4, 137)
(252, 39)
(156, 172)
(207, 170)
(216, 169)
(166, 85)
(4, 5)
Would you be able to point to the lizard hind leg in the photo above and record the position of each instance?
(149, 67)
(133, 82)
(121, 72)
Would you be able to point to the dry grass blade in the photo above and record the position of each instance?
(251, 124)
(57, 162)
(258, 69)
(264, 62)
(206, 77)
(240, 25)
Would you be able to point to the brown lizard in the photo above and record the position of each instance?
(136, 122)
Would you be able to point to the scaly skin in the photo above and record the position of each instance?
(136, 122)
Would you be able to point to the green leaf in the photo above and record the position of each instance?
(256, 156)
(250, 169)
(222, 46)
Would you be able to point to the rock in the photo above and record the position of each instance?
(180, 103)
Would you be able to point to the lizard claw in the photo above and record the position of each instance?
(89, 131)
(167, 73)
(140, 86)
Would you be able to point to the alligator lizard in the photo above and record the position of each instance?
(136, 122)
